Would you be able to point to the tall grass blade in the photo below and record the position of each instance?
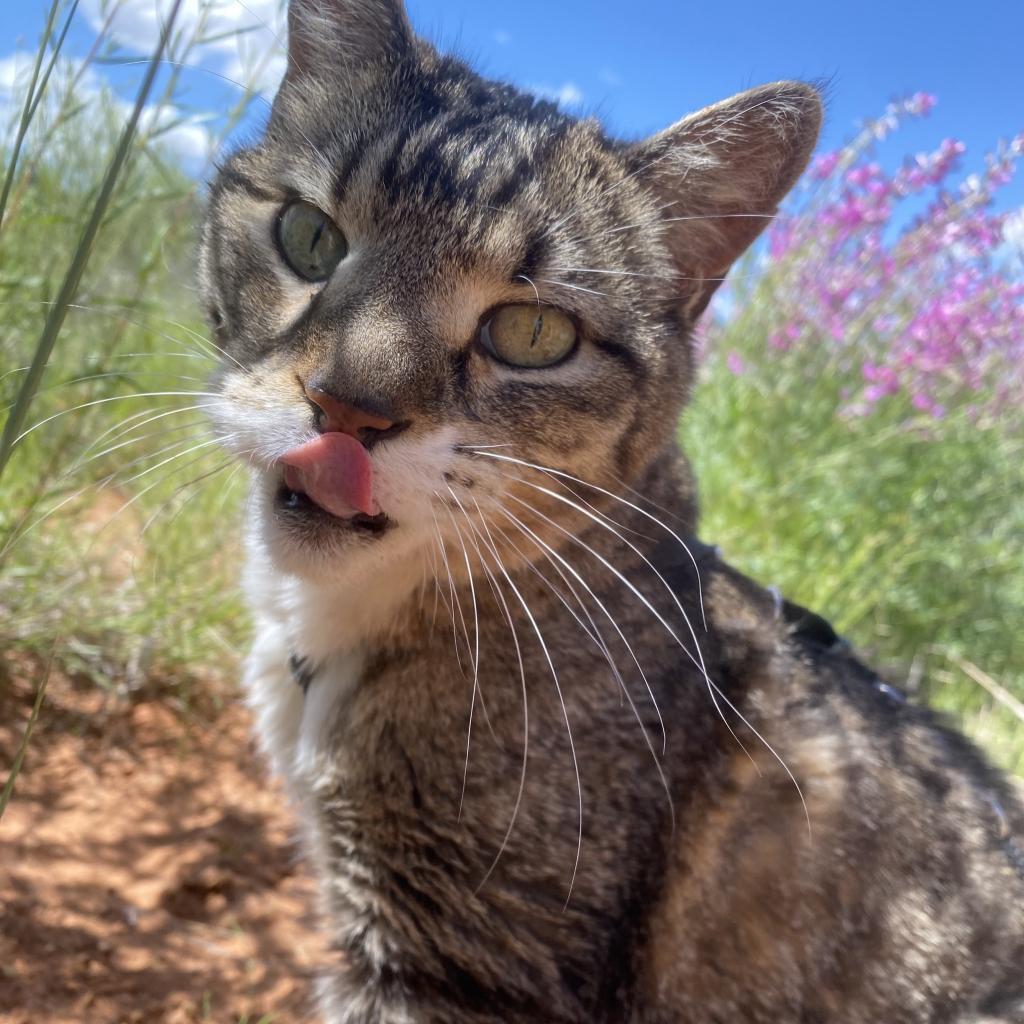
(28, 109)
(19, 758)
(69, 288)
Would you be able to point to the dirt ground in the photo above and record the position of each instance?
(148, 868)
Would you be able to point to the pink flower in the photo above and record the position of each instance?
(921, 103)
(918, 313)
(735, 363)
(824, 165)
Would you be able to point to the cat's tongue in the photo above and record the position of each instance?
(335, 471)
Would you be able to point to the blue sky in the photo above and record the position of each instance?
(641, 64)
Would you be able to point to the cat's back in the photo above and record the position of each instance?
(853, 860)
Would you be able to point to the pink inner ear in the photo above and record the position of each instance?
(335, 471)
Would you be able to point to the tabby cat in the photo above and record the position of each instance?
(556, 761)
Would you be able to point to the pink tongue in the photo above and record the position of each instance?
(335, 471)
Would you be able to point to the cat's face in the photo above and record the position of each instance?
(415, 266)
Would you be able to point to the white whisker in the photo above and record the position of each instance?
(476, 655)
(455, 602)
(714, 690)
(571, 287)
(610, 494)
(522, 682)
(603, 647)
(114, 398)
(561, 699)
(553, 554)
(698, 660)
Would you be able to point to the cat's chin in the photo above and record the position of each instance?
(306, 540)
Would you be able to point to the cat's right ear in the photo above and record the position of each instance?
(332, 38)
(719, 175)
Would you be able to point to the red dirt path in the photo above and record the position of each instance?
(148, 870)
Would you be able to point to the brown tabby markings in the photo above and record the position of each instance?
(652, 819)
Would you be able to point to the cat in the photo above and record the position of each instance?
(555, 760)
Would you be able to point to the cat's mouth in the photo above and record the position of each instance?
(295, 502)
(331, 479)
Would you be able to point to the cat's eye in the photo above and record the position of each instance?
(310, 241)
(529, 335)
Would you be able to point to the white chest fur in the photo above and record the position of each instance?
(294, 728)
(325, 625)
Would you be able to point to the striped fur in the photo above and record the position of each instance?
(552, 767)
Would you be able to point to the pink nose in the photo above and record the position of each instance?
(340, 417)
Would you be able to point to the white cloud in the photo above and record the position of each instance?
(240, 41)
(1010, 253)
(502, 37)
(188, 141)
(1013, 230)
(568, 94)
(14, 70)
(243, 41)
(185, 138)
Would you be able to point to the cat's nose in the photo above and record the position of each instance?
(337, 416)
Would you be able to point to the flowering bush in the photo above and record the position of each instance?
(858, 430)
(920, 311)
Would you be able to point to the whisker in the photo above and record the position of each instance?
(572, 287)
(129, 422)
(181, 487)
(603, 647)
(227, 488)
(643, 497)
(188, 451)
(113, 398)
(9, 373)
(476, 657)
(561, 699)
(135, 439)
(552, 554)
(203, 340)
(614, 273)
(164, 355)
(668, 220)
(522, 682)
(610, 494)
(145, 490)
(714, 690)
(121, 375)
(523, 277)
(182, 441)
(576, 211)
(18, 533)
(455, 602)
(199, 67)
(432, 550)
(120, 311)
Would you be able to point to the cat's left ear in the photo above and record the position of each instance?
(328, 37)
(721, 173)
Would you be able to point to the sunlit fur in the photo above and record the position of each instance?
(555, 760)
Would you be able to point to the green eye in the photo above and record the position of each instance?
(310, 241)
(529, 335)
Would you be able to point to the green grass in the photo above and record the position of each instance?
(908, 533)
(106, 548)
